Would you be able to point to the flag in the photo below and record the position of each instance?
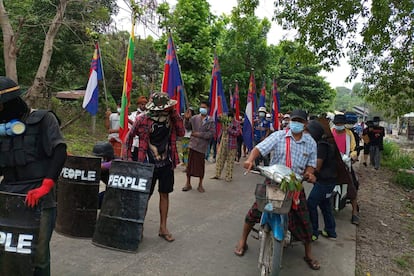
(126, 90)
(263, 95)
(250, 114)
(172, 82)
(90, 100)
(217, 99)
(231, 98)
(236, 102)
(275, 106)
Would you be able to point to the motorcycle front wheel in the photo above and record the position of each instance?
(272, 254)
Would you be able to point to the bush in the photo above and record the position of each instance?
(395, 160)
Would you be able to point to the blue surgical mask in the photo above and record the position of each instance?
(339, 127)
(296, 127)
(203, 111)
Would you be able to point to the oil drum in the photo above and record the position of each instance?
(120, 222)
(77, 196)
(19, 230)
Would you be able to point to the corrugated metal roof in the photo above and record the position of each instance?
(70, 95)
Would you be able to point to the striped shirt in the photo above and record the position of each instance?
(303, 151)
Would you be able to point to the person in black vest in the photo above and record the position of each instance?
(376, 143)
(32, 156)
(325, 183)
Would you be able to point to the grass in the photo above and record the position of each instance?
(395, 159)
(78, 135)
(404, 261)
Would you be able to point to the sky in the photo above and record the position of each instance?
(335, 78)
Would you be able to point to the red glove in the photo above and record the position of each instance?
(34, 195)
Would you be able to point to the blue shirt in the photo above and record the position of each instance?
(260, 129)
(303, 152)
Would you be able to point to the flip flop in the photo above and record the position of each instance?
(201, 190)
(185, 188)
(240, 252)
(167, 237)
(313, 264)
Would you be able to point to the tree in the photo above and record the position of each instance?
(378, 34)
(25, 20)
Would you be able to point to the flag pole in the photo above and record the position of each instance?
(103, 76)
(179, 68)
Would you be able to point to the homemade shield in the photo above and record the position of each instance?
(19, 230)
(77, 196)
(120, 222)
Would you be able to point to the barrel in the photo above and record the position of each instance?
(120, 222)
(77, 196)
(19, 230)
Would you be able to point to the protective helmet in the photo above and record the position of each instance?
(262, 109)
(103, 149)
(351, 118)
(9, 90)
(315, 129)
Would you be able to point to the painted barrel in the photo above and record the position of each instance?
(120, 222)
(77, 196)
(19, 230)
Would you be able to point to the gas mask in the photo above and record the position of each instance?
(12, 128)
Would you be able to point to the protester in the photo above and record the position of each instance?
(240, 141)
(228, 147)
(351, 120)
(261, 131)
(365, 138)
(302, 149)
(321, 192)
(112, 124)
(31, 163)
(157, 130)
(105, 151)
(345, 142)
(285, 121)
(203, 129)
(141, 102)
(184, 143)
(376, 143)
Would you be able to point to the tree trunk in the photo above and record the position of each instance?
(9, 44)
(39, 83)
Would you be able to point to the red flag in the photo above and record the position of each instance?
(236, 101)
(275, 105)
(126, 91)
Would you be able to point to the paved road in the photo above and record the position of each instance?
(206, 227)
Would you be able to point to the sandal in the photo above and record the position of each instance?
(186, 188)
(313, 264)
(240, 252)
(201, 190)
(168, 237)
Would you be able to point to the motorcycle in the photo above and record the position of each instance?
(275, 204)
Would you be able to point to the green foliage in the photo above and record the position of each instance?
(384, 54)
(394, 159)
(346, 99)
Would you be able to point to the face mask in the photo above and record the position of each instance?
(262, 114)
(376, 123)
(339, 127)
(296, 127)
(118, 110)
(203, 111)
(285, 122)
(269, 119)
